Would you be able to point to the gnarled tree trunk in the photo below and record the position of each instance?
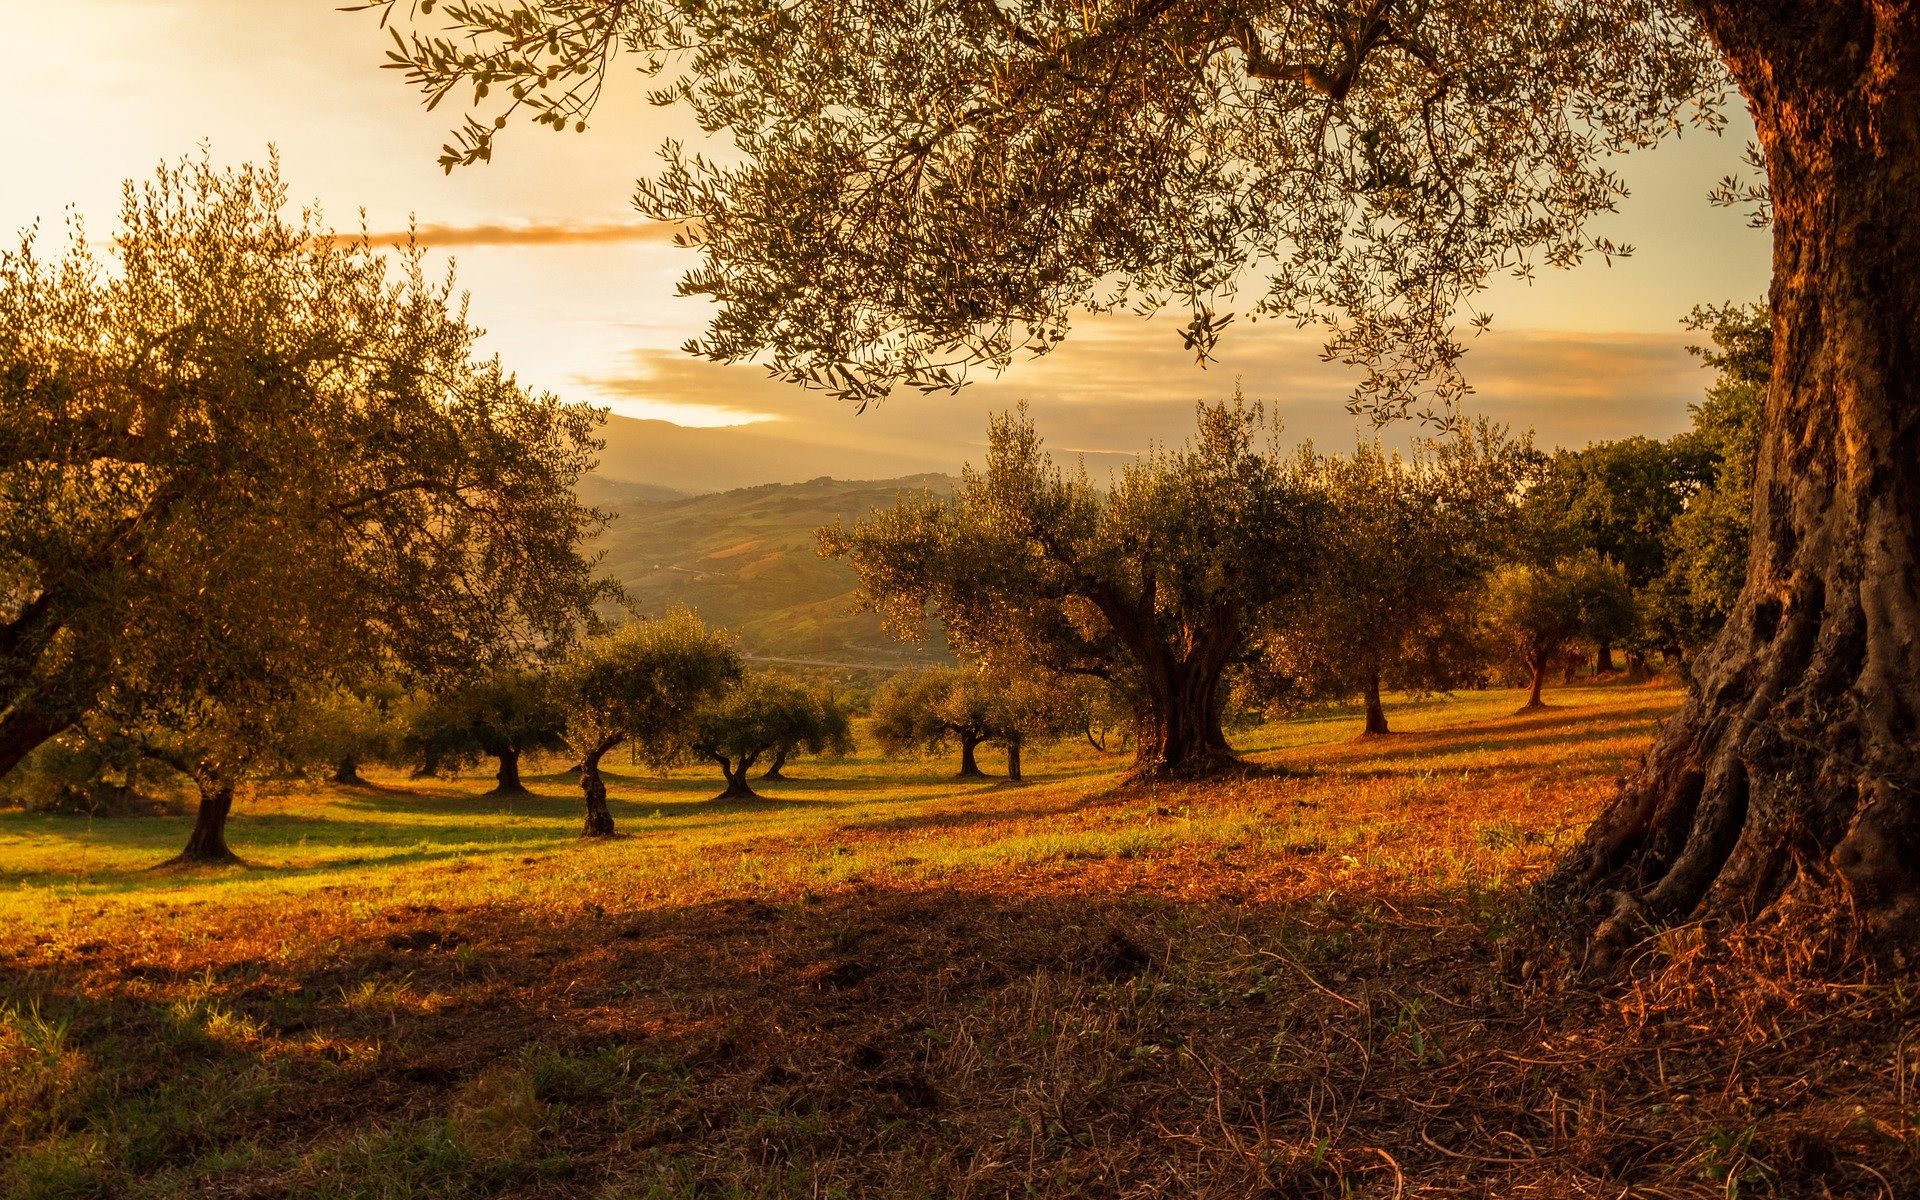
(1795, 763)
(969, 764)
(1180, 734)
(507, 778)
(1013, 761)
(1536, 681)
(735, 770)
(599, 821)
(1376, 712)
(346, 772)
(207, 844)
(773, 771)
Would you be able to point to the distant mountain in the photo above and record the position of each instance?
(676, 458)
(745, 559)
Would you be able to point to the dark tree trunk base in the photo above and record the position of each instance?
(599, 821)
(207, 844)
(1376, 725)
(738, 788)
(969, 767)
(507, 779)
(347, 774)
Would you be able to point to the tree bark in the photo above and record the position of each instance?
(599, 821)
(969, 765)
(507, 778)
(346, 772)
(207, 844)
(773, 772)
(1376, 713)
(24, 730)
(1180, 735)
(1537, 671)
(1792, 772)
(429, 766)
(738, 786)
(1603, 659)
(1013, 762)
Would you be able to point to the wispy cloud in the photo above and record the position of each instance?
(440, 236)
(1116, 388)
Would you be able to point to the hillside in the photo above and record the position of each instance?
(745, 559)
(697, 461)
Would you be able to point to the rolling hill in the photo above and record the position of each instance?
(745, 559)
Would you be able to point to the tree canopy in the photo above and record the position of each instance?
(642, 684)
(761, 717)
(1156, 584)
(240, 452)
(905, 192)
(1404, 552)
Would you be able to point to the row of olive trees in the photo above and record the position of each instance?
(1222, 574)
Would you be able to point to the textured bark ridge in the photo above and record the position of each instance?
(1181, 737)
(1792, 773)
(207, 844)
(599, 821)
(507, 779)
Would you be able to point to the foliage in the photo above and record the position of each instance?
(504, 713)
(241, 455)
(1401, 565)
(91, 772)
(1155, 585)
(904, 191)
(924, 711)
(643, 683)
(1707, 560)
(1535, 613)
(762, 717)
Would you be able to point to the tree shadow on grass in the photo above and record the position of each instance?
(1131, 1035)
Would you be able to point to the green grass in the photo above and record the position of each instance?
(881, 981)
(832, 822)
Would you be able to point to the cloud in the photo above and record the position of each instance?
(438, 236)
(1118, 386)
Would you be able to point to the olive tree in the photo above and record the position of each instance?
(643, 684)
(927, 710)
(1538, 613)
(1157, 584)
(763, 717)
(1030, 708)
(241, 456)
(819, 722)
(1404, 554)
(907, 190)
(503, 713)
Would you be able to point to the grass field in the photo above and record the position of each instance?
(1317, 980)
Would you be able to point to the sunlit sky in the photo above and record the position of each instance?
(577, 294)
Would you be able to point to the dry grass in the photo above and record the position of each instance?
(879, 982)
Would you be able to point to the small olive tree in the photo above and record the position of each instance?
(763, 717)
(926, 711)
(1404, 554)
(1537, 613)
(641, 684)
(502, 714)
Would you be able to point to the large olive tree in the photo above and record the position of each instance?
(910, 189)
(241, 455)
(1156, 584)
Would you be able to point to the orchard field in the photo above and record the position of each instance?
(879, 981)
